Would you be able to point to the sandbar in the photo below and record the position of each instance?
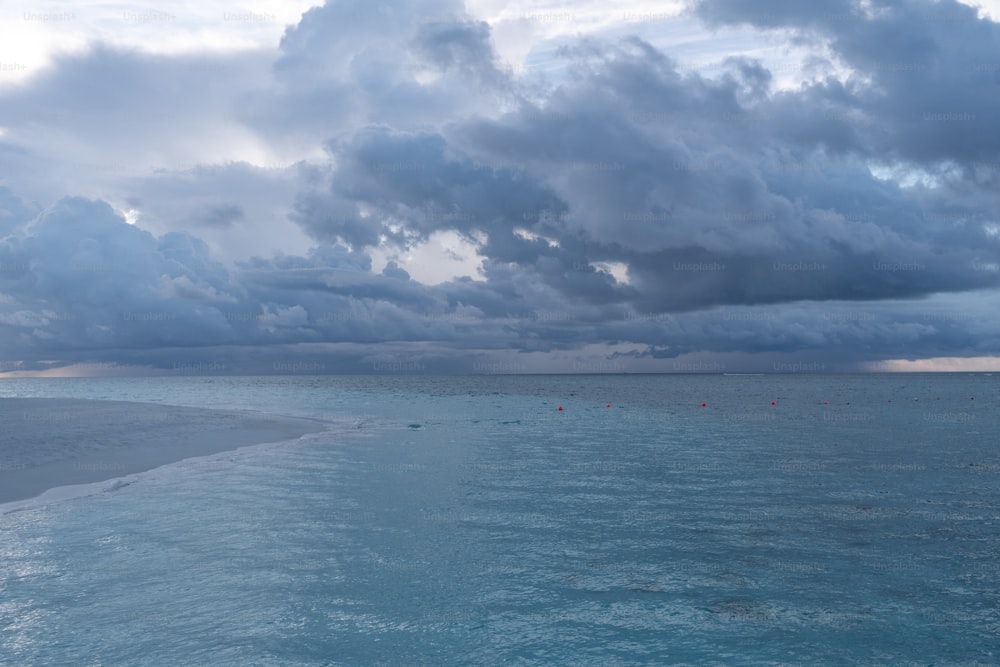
(52, 442)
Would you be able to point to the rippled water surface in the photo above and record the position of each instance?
(468, 520)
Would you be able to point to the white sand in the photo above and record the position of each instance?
(47, 443)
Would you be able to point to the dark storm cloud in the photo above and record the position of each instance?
(705, 204)
(418, 182)
(747, 218)
(714, 191)
(408, 65)
(83, 285)
(934, 80)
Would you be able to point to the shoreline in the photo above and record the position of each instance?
(48, 443)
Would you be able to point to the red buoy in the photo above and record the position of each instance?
(704, 405)
(609, 405)
(560, 407)
(773, 403)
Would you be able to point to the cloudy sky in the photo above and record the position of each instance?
(494, 186)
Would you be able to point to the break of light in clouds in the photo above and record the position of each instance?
(432, 186)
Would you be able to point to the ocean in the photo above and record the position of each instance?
(469, 520)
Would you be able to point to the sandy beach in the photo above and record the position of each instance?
(47, 443)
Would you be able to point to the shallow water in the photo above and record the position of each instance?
(466, 520)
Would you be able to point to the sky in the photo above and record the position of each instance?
(438, 186)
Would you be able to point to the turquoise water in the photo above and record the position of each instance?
(467, 520)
